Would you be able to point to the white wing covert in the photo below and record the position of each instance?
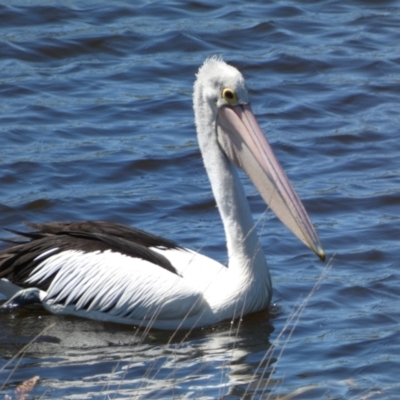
(117, 284)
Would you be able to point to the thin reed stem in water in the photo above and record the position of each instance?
(21, 353)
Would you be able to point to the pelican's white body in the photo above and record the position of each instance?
(110, 286)
(205, 292)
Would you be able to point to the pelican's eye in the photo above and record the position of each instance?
(229, 96)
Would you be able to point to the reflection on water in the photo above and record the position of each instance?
(122, 360)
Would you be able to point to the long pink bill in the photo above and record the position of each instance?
(242, 140)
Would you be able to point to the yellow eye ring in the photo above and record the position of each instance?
(229, 96)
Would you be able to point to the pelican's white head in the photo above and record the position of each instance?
(218, 84)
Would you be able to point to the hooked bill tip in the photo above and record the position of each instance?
(320, 253)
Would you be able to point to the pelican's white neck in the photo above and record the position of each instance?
(246, 257)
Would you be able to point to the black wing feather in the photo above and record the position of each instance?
(18, 261)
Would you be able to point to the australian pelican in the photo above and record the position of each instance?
(110, 272)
